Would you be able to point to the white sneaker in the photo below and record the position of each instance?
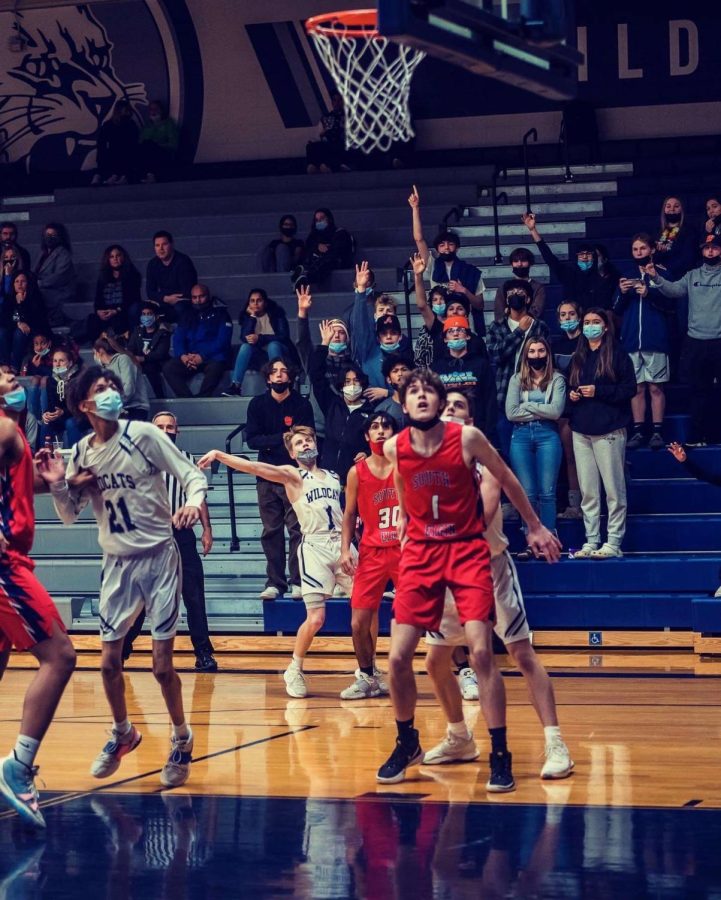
(295, 685)
(362, 688)
(176, 770)
(382, 683)
(468, 684)
(270, 593)
(107, 762)
(585, 552)
(607, 551)
(558, 762)
(452, 749)
(571, 512)
(718, 592)
(389, 595)
(295, 592)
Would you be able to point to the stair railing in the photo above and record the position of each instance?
(234, 542)
(531, 134)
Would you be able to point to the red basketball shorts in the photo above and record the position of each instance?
(376, 566)
(426, 571)
(27, 612)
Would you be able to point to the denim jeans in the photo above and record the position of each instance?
(536, 458)
(248, 354)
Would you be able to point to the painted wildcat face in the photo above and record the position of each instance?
(61, 86)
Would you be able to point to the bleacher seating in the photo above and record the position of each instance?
(672, 548)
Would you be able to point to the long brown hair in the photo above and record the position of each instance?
(527, 383)
(604, 364)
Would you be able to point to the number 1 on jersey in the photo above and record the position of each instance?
(434, 506)
(331, 523)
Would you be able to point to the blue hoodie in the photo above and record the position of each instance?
(364, 341)
(646, 320)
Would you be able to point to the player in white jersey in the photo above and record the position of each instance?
(119, 469)
(511, 626)
(315, 496)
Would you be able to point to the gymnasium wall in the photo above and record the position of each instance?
(244, 81)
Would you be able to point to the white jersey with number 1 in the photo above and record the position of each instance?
(318, 507)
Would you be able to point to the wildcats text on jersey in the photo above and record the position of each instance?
(322, 493)
(115, 481)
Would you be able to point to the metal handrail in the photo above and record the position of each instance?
(456, 212)
(234, 542)
(531, 133)
(568, 175)
(497, 198)
(402, 273)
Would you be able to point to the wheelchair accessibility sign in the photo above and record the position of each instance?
(595, 638)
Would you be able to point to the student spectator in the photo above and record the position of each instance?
(328, 153)
(339, 355)
(345, 412)
(283, 253)
(505, 343)
(269, 416)
(701, 352)
(117, 146)
(534, 403)
(430, 341)
(264, 335)
(645, 337)
(169, 277)
(149, 345)
(712, 225)
(11, 266)
(23, 313)
(327, 247)
(461, 368)
(461, 279)
(57, 420)
(589, 279)
(563, 346)
(374, 331)
(38, 366)
(110, 355)
(521, 260)
(55, 272)
(201, 343)
(601, 384)
(158, 143)
(396, 369)
(676, 247)
(117, 294)
(9, 238)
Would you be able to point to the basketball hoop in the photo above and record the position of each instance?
(372, 74)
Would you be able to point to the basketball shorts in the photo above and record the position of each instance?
(511, 624)
(426, 570)
(27, 611)
(376, 565)
(320, 571)
(145, 580)
(650, 367)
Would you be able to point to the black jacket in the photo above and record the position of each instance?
(589, 288)
(610, 408)
(176, 278)
(158, 344)
(472, 371)
(268, 420)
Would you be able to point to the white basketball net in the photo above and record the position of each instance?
(373, 76)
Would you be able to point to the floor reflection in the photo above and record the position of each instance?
(176, 845)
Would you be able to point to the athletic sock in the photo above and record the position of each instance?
(298, 662)
(550, 732)
(498, 740)
(657, 427)
(122, 729)
(367, 670)
(181, 732)
(405, 732)
(26, 749)
(459, 729)
(637, 427)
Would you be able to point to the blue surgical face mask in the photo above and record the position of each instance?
(44, 352)
(147, 321)
(338, 346)
(390, 348)
(108, 405)
(16, 399)
(457, 343)
(584, 264)
(592, 332)
(439, 308)
(569, 325)
(60, 371)
(321, 226)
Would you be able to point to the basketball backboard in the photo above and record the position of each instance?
(525, 43)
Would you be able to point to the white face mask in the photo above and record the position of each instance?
(457, 419)
(352, 391)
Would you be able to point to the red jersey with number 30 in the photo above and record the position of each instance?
(440, 492)
(17, 514)
(377, 507)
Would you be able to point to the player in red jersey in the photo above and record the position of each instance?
(28, 617)
(370, 493)
(441, 532)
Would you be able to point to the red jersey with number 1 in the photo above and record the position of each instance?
(377, 507)
(17, 514)
(440, 492)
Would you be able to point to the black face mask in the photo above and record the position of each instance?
(425, 426)
(673, 218)
(537, 362)
(516, 302)
(52, 241)
(521, 271)
(713, 261)
(172, 435)
(447, 257)
(288, 230)
(279, 388)
(643, 260)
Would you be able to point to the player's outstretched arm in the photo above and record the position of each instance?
(350, 513)
(477, 447)
(69, 500)
(279, 474)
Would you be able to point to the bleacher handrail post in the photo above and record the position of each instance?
(234, 542)
(532, 133)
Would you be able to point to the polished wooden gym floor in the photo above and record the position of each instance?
(282, 798)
